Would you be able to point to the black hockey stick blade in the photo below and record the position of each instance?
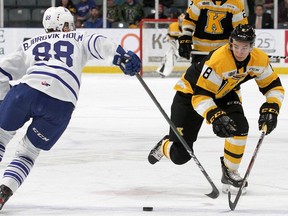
(214, 194)
(232, 205)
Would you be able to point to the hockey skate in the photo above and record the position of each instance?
(231, 180)
(156, 153)
(5, 194)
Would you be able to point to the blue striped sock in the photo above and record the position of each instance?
(19, 169)
(2, 151)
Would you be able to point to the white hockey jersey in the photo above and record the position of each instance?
(52, 63)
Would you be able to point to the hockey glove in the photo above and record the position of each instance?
(223, 125)
(128, 62)
(185, 46)
(268, 116)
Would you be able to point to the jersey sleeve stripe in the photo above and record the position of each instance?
(202, 105)
(58, 78)
(238, 18)
(92, 46)
(275, 96)
(211, 84)
(266, 85)
(6, 74)
(195, 12)
(267, 72)
(62, 68)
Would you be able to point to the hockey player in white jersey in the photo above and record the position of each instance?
(49, 69)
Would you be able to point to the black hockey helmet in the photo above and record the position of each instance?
(245, 33)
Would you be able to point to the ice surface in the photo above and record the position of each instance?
(99, 166)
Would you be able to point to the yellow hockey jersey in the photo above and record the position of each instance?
(211, 22)
(218, 74)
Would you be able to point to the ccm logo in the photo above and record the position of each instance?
(41, 136)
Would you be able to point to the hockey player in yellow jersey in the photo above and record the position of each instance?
(207, 91)
(171, 55)
(210, 22)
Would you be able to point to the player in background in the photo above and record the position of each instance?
(208, 24)
(49, 69)
(207, 91)
(171, 55)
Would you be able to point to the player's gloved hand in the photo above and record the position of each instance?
(128, 62)
(268, 116)
(223, 125)
(185, 46)
(132, 64)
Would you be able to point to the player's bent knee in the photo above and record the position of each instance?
(178, 154)
(6, 136)
(241, 123)
(27, 149)
(242, 128)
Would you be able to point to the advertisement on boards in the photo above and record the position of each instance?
(155, 43)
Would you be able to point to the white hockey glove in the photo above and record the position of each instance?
(128, 62)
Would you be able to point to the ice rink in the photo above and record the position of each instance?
(99, 166)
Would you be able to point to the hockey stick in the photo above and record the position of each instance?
(215, 193)
(278, 57)
(232, 205)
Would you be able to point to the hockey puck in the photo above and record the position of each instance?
(147, 208)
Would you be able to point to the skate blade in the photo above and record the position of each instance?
(233, 190)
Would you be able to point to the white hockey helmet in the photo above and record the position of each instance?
(56, 18)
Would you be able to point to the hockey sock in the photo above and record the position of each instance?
(166, 146)
(21, 165)
(233, 151)
(5, 137)
(2, 151)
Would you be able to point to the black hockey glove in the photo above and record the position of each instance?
(185, 46)
(223, 125)
(268, 116)
(128, 62)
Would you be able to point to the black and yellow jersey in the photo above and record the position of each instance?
(174, 30)
(218, 74)
(211, 22)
